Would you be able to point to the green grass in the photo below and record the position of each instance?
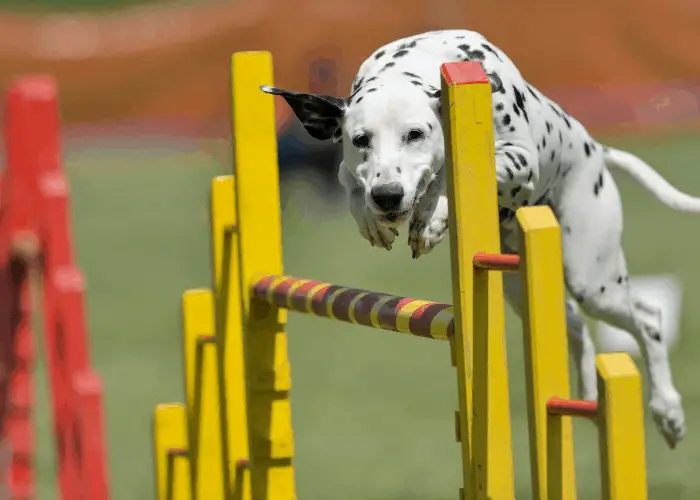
(373, 412)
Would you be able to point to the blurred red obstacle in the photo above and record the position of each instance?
(38, 270)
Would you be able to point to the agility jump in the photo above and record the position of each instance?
(233, 438)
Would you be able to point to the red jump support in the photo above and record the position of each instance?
(572, 408)
(496, 262)
(36, 237)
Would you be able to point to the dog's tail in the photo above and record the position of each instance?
(652, 180)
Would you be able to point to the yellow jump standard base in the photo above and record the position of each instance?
(233, 438)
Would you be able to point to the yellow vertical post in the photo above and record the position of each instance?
(170, 450)
(225, 257)
(621, 428)
(260, 252)
(487, 462)
(201, 387)
(546, 351)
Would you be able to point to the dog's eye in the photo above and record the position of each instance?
(361, 141)
(414, 135)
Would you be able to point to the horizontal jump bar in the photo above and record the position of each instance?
(421, 318)
(572, 408)
(496, 262)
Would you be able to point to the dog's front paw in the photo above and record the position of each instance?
(423, 236)
(377, 234)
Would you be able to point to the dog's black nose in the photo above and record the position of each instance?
(387, 196)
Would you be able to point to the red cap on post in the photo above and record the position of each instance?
(464, 73)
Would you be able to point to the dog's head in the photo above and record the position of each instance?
(392, 138)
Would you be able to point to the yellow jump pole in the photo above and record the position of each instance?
(621, 428)
(202, 390)
(546, 350)
(487, 462)
(271, 442)
(171, 454)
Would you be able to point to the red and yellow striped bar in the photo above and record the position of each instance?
(572, 408)
(496, 262)
(421, 318)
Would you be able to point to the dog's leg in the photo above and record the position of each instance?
(377, 234)
(517, 157)
(428, 222)
(581, 348)
(590, 214)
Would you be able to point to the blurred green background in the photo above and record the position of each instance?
(372, 411)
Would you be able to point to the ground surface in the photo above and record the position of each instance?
(373, 412)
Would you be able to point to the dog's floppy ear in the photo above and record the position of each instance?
(320, 114)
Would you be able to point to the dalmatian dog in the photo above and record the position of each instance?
(392, 170)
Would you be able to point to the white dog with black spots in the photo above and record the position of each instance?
(392, 169)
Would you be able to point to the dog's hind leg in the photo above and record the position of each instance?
(590, 214)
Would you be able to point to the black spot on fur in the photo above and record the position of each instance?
(379, 54)
(549, 127)
(371, 79)
(532, 93)
(476, 55)
(514, 192)
(372, 90)
(472, 55)
(553, 155)
(430, 127)
(619, 280)
(506, 120)
(561, 138)
(387, 66)
(416, 82)
(567, 229)
(522, 159)
(496, 82)
(499, 106)
(566, 120)
(357, 84)
(587, 149)
(400, 53)
(513, 160)
(520, 102)
(512, 129)
(602, 289)
(365, 156)
(510, 173)
(656, 337)
(359, 99)
(488, 48)
(529, 176)
(412, 75)
(598, 184)
(516, 110)
(544, 142)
